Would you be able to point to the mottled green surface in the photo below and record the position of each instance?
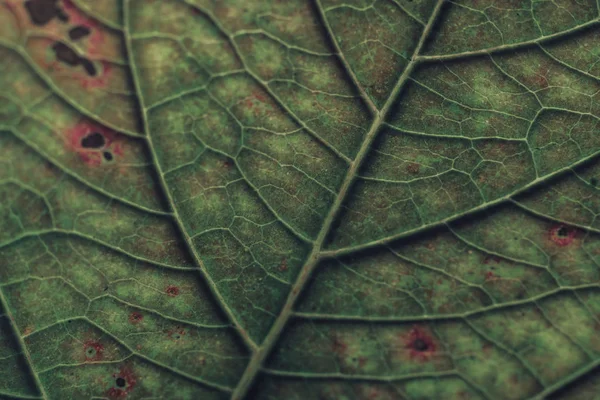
(300, 199)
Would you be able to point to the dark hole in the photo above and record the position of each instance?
(42, 11)
(177, 336)
(108, 156)
(62, 16)
(93, 141)
(65, 54)
(121, 382)
(78, 32)
(594, 182)
(562, 232)
(90, 351)
(420, 345)
(89, 66)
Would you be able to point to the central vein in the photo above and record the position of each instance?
(262, 352)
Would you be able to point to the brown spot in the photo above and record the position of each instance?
(177, 333)
(338, 346)
(283, 266)
(172, 291)
(413, 168)
(135, 317)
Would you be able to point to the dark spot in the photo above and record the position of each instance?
(420, 345)
(562, 232)
(43, 11)
(177, 336)
(90, 352)
(172, 290)
(94, 140)
(66, 54)
(78, 32)
(107, 155)
(594, 182)
(120, 382)
(89, 66)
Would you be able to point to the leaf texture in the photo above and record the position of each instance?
(300, 199)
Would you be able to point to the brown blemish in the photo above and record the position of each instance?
(413, 168)
(135, 317)
(177, 333)
(283, 266)
(338, 346)
(172, 291)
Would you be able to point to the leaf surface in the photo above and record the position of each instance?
(359, 199)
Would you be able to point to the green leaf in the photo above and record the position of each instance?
(300, 199)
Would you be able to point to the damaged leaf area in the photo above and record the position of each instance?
(299, 199)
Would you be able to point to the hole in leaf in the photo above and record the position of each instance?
(89, 66)
(79, 32)
(90, 352)
(108, 156)
(562, 232)
(43, 11)
(420, 345)
(94, 140)
(65, 54)
(120, 382)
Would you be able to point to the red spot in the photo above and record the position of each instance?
(562, 235)
(489, 276)
(419, 344)
(135, 317)
(123, 382)
(172, 291)
(92, 350)
(92, 156)
(413, 168)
